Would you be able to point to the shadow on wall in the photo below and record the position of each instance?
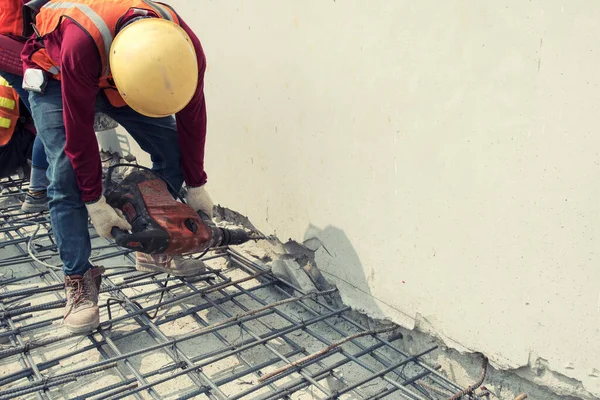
(339, 262)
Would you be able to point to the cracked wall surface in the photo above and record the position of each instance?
(439, 158)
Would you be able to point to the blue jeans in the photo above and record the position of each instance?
(69, 217)
(38, 156)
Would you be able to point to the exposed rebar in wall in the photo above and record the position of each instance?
(235, 332)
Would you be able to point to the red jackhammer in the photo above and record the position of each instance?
(160, 223)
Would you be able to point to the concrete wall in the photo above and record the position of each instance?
(442, 158)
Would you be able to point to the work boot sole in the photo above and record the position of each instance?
(187, 273)
(85, 328)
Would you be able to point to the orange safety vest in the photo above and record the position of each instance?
(11, 17)
(100, 19)
(9, 111)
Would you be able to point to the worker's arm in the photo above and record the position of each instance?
(191, 124)
(80, 72)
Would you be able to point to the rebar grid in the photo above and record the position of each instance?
(236, 332)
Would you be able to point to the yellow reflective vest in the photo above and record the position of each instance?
(9, 111)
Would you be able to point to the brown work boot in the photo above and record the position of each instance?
(81, 312)
(174, 265)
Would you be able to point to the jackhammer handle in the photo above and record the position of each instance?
(120, 236)
(133, 241)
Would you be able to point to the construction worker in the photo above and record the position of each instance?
(16, 141)
(139, 63)
(11, 69)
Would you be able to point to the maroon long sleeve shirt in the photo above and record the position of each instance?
(80, 72)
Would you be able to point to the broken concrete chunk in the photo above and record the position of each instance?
(316, 276)
(103, 122)
(255, 251)
(290, 271)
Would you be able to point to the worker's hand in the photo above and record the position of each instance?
(199, 199)
(104, 218)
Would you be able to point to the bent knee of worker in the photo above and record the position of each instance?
(167, 162)
(165, 155)
(69, 198)
(64, 199)
(63, 183)
(49, 122)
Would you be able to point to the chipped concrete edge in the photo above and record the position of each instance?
(295, 263)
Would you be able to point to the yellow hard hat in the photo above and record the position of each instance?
(154, 66)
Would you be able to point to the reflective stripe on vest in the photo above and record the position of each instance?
(159, 9)
(107, 37)
(7, 103)
(9, 111)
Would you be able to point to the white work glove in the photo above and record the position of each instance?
(104, 218)
(199, 199)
